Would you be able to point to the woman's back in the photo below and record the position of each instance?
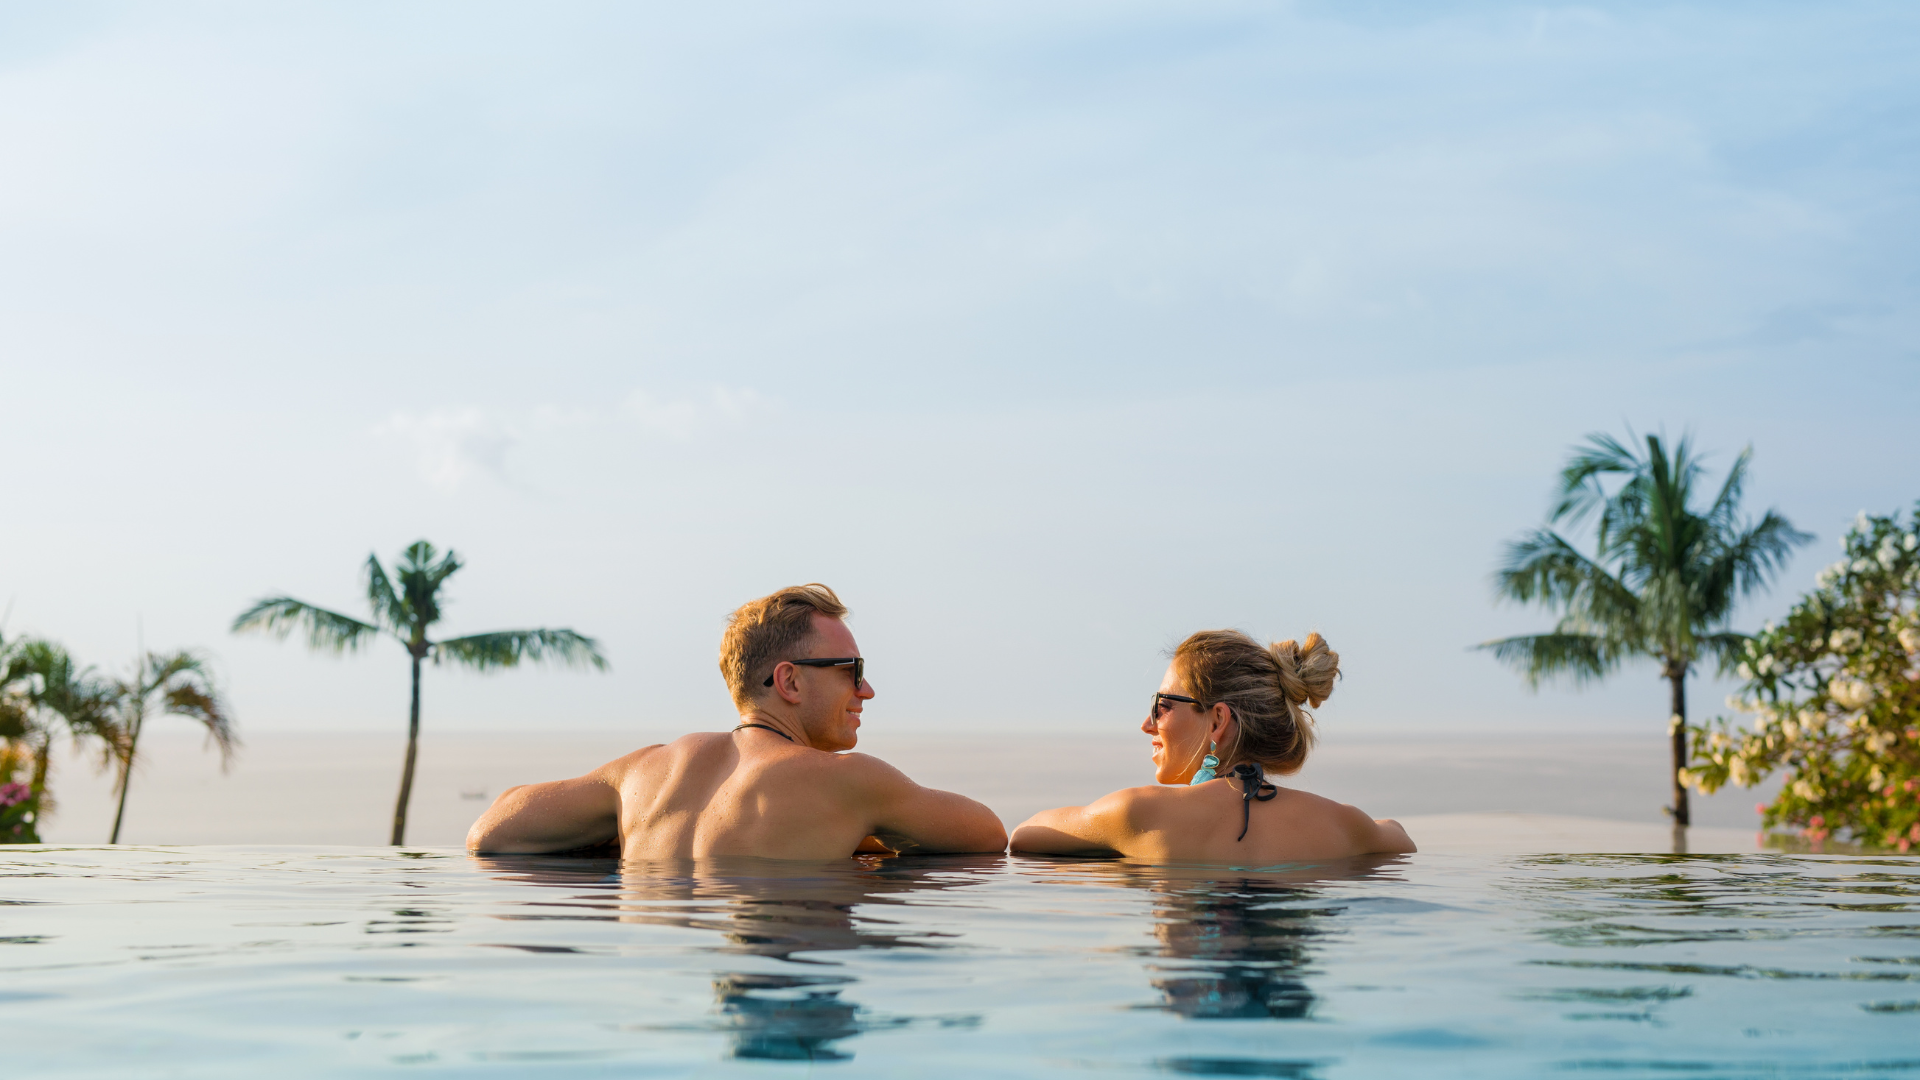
(1203, 824)
(1228, 711)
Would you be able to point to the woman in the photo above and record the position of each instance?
(1228, 712)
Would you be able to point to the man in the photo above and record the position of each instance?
(775, 786)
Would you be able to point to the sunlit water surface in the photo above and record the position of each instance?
(213, 962)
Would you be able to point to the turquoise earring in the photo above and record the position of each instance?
(1207, 765)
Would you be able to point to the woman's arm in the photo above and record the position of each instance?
(1101, 828)
(1390, 838)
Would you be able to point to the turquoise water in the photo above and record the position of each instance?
(216, 962)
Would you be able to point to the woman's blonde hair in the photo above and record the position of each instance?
(1268, 687)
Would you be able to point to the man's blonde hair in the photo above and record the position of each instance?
(761, 633)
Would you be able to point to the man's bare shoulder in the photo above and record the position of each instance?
(685, 745)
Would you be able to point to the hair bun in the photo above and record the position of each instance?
(1307, 669)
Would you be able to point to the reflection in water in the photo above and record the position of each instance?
(788, 912)
(786, 1017)
(1237, 944)
(1243, 945)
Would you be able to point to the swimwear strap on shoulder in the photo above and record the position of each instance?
(764, 727)
(1253, 785)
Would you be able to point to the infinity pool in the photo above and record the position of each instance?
(215, 962)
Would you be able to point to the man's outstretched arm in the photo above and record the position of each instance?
(920, 820)
(556, 816)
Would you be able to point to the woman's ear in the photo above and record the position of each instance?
(1221, 728)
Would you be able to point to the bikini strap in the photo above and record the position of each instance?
(764, 727)
(1253, 786)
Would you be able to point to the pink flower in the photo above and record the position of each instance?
(1817, 821)
(1904, 844)
(14, 794)
(1908, 785)
(1759, 808)
(1889, 792)
(1914, 832)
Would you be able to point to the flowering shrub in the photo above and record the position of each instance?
(1832, 696)
(19, 810)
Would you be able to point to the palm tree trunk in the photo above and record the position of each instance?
(126, 776)
(406, 774)
(1679, 737)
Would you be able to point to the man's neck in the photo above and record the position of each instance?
(785, 725)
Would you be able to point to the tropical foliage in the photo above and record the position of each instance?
(170, 684)
(405, 606)
(1661, 582)
(44, 694)
(1832, 697)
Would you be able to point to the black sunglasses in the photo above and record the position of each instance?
(859, 667)
(1159, 708)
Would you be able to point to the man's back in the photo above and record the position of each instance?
(747, 792)
(773, 786)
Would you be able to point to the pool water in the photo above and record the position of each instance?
(216, 962)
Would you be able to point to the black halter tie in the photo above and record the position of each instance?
(788, 737)
(1253, 784)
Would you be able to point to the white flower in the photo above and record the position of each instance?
(1718, 740)
(1846, 639)
(1910, 638)
(1764, 665)
(1861, 566)
(1739, 773)
(1812, 720)
(1734, 702)
(1744, 671)
(1790, 730)
(1850, 693)
(1912, 541)
(1803, 789)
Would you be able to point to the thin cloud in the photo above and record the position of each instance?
(451, 446)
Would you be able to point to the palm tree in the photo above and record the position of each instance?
(1662, 580)
(186, 689)
(406, 613)
(44, 693)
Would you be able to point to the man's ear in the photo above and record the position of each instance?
(786, 682)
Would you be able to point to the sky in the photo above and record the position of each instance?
(1046, 333)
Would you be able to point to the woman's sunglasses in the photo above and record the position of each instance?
(1160, 705)
(859, 667)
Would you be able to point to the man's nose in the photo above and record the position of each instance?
(865, 690)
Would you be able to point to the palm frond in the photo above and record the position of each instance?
(387, 606)
(201, 704)
(1580, 491)
(1543, 567)
(1761, 551)
(1727, 649)
(326, 630)
(1581, 657)
(420, 579)
(507, 648)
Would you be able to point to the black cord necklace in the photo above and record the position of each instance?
(784, 735)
